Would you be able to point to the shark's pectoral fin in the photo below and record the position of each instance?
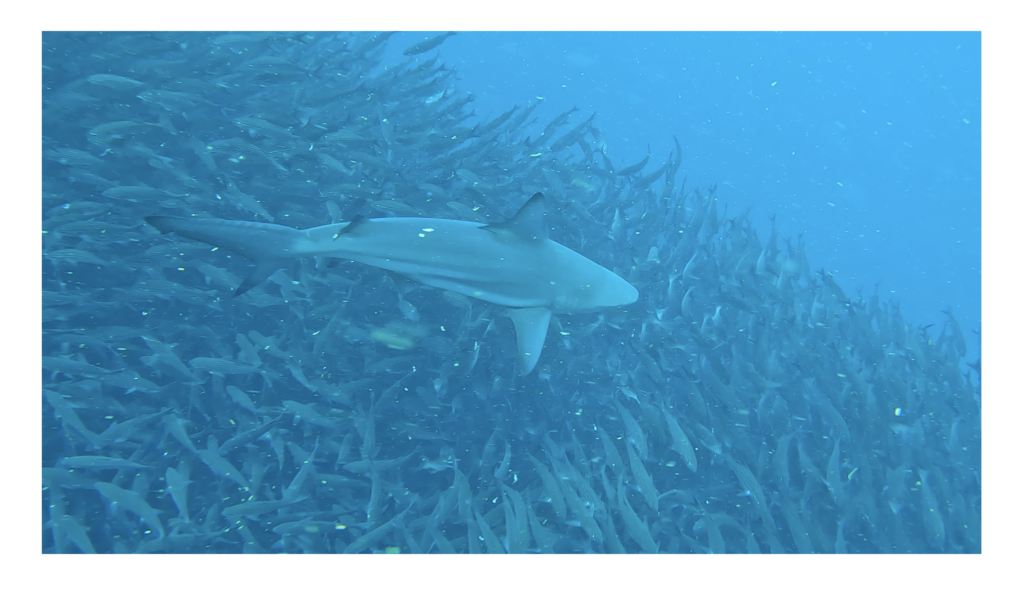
(264, 268)
(354, 225)
(531, 330)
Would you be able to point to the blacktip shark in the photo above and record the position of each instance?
(511, 263)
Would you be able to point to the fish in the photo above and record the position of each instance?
(100, 462)
(221, 466)
(733, 333)
(133, 502)
(253, 509)
(627, 171)
(512, 263)
(680, 442)
(115, 81)
(177, 486)
(428, 44)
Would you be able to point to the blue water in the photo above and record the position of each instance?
(869, 142)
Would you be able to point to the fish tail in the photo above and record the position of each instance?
(268, 245)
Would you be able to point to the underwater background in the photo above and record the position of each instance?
(800, 213)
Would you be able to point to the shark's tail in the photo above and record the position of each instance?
(268, 245)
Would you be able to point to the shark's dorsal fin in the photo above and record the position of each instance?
(529, 224)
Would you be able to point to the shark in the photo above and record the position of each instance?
(511, 263)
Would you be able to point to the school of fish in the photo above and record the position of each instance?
(728, 399)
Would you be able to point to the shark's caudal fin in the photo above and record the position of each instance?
(268, 245)
(531, 330)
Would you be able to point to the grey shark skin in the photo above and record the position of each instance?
(511, 263)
